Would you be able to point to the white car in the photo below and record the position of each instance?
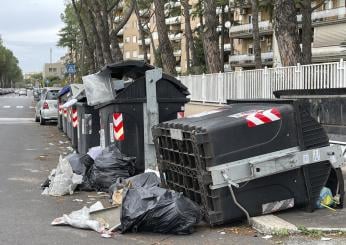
(47, 107)
(22, 92)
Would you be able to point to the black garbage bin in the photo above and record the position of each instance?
(327, 106)
(122, 120)
(247, 159)
(63, 97)
(88, 127)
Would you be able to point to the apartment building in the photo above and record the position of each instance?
(329, 39)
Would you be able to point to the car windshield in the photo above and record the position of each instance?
(52, 95)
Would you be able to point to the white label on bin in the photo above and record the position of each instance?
(102, 139)
(306, 158)
(176, 134)
(78, 133)
(316, 155)
(111, 132)
(83, 126)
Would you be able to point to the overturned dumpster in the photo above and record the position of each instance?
(248, 158)
(132, 97)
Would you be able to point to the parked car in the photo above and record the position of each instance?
(23, 92)
(47, 107)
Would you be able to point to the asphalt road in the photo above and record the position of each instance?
(27, 154)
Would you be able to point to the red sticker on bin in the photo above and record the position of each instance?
(259, 117)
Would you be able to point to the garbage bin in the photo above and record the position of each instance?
(62, 98)
(127, 118)
(247, 159)
(88, 127)
(327, 106)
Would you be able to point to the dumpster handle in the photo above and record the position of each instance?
(230, 184)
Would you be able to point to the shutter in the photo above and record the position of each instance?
(330, 35)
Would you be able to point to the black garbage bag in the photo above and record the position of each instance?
(158, 210)
(110, 166)
(147, 180)
(75, 161)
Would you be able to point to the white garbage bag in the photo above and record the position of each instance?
(81, 218)
(64, 181)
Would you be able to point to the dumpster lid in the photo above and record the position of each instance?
(76, 89)
(130, 68)
(69, 103)
(64, 90)
(309, 92)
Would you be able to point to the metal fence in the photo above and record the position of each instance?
(251, 84)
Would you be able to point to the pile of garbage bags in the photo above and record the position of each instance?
(95, 171)
(145, 206)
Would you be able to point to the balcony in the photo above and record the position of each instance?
(144, 12)
(175, 37)
(117, 19)
(177, 53)
(172, 4)
(326, 15)
(141, 56)
(147, 41)
(246, 58)
(173, 20)
(121, 32)
(263, 26)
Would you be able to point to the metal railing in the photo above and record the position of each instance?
(260, 84)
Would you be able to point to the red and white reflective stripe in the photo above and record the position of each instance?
(262, 117)
(118, 126)
(65, 112)
(180, 114)
(74, 118)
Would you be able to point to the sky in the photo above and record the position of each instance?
(29, 28)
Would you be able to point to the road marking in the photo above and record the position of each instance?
(19, 106)
(16, 120)
(6, 106)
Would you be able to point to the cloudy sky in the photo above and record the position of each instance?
(29, 28)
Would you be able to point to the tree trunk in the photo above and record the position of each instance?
(97, 40)
(85, 37)
(167, 56)
(141, 33)
(103, 32)
(222, 35)
(117, 54)
(188, 32)
(286, 32)
(210, 38)
(255, 35)
(306, 32)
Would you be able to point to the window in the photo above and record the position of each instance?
(134, 54)
(127, 55)
(50, 69)
(250, 49)
(249, 19)
(155, 35)
(134, 39)
(127, 39)
(52, 95)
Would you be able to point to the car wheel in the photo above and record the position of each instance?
(42, 120)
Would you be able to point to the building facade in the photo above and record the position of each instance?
(329, 35)
(54, 70)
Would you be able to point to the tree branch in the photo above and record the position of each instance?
(318, 5)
